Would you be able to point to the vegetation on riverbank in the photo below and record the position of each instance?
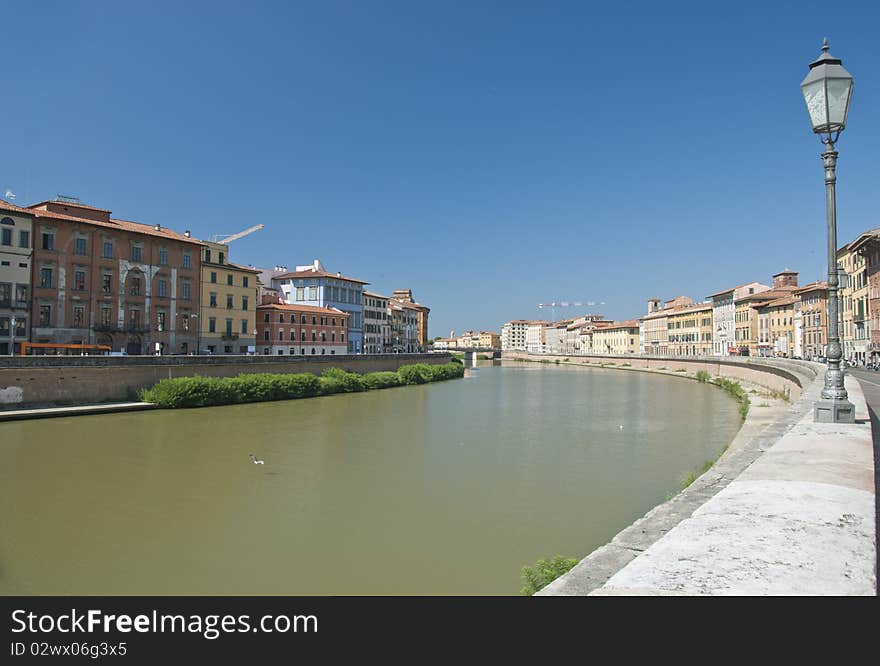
(545, 572)
(260, 387)
(732, 387)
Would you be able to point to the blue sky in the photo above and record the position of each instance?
(487, 155)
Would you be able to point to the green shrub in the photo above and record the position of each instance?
(380, 380)
(258, 387)
(544, 573)
(703, 376)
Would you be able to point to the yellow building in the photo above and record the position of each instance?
(689, 330)
(855, 336)
(227, 313)
(490, 340)
(811, 321)
(654, 326)
(752, 333)
(776, 327)
(621, 338)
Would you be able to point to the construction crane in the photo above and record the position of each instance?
(567, 304)
(228, 238)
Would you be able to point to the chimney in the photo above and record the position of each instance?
(185, 233)
(158, 228)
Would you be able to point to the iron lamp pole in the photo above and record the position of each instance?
(827, 91)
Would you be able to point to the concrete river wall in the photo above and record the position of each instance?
(789, 509)
(28, 381)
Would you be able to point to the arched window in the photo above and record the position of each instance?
(313, 350)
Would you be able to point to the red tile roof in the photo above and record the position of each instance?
(300, 308)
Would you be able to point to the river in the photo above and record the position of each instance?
(447, 488)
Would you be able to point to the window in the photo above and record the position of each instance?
(299, 294)
(229, 304)
(48, 242)
(228, 278)
(5, 294)
(79, 246)
(187, 260)
(244, 281)
(4, 327)
(244, 326)
(314, 336)
(134, 319)
(212, 324)
(280, 335)
(8, 220)
(212, 300)
(46, 278)
(21, 295)
(213, 277)
(291, 335)
(7, 237)
(184, 320)
(302, 336)
(24, 239)
(163, 288)
(135, 288)
(313, 293)
(107, 283)
(79, 280)
(160, 321)
(281, 318)
(208, 256)
(314, 320)
(266, 317)
(303, 319)
(78, 316)
(107, 252)
(266, 334)
(105, 316)
(244, 303)
(45, 315)
(228, 327)
(163, 257)
(184, 290)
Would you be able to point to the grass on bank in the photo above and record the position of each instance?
(544, 572)
(261, 387)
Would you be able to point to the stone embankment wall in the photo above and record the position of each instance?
(774, 374)
(28, 381)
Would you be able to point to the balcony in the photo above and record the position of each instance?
(228, 335)
(115, 328)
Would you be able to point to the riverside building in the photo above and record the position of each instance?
(16, 256)
(377, 325)
(229, 295)
(100, 280)
(301, 330)
(618, 339)
(724, 316)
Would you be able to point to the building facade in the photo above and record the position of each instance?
(513, 335)
(101, 280)
(16, 257)
(229, 294)
(811, 321)
(619, 339)
(536, 337)
(689, 330)
(377, 325)
(313, 286)
(654, 326)
(422, 311)
(404, 325)
(301, 330)
(724, 316)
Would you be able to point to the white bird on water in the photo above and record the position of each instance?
(620, 426)
(257, 461)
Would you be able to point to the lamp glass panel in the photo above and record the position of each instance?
(814, 96)
(838, 99)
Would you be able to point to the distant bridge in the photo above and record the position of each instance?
(471, 353)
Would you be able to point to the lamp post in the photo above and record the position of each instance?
(12, 336)
(827, 90)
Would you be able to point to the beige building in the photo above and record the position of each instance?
(229, 293)
(654, 326)
(16, 257)
(811, 321)
(513, 335)
(377, 325)
(690, 330)
(490, 340)
(536, 337)
(855, 334)
(776, 327)
(619, 339)
(753, 336)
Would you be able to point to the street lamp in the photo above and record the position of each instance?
(827, 91)
(12, 336)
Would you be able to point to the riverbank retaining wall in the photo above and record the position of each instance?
(31, 381)
(773, 374)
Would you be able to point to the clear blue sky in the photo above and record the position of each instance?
(487, 155)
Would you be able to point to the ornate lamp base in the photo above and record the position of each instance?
(834, 411)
